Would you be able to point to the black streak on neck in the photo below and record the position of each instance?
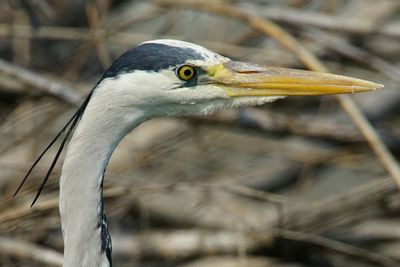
(106, 244)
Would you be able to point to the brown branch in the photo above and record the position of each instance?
(339, 247)
(29, 251)
(329, 22)
(340, 209)
(97, 37)
(41, 83)
(336, 43)
(94, 19)
(187, 243)
(235, 261)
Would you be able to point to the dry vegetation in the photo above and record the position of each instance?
(300, 182)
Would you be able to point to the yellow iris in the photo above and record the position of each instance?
(186, 72)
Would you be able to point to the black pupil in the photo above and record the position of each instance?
(187, 72)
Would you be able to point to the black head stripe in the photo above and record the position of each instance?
(151, 57)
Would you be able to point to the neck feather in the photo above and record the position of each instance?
(103, 125)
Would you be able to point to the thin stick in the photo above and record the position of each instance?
(329, 22)
(180, 244)
(96, 38)
(26, 250)
(251, 192)
(42, 83)
(337, 43)
(94, 19)
(308, 59)
(338, 247)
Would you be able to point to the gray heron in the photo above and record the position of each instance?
(156, 78)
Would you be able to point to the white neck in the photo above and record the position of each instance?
(104, 123)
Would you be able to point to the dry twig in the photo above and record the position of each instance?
(336, 43)
(329, 22)
(339, 247)
(42, 83)
(187, 243)
(29, 251)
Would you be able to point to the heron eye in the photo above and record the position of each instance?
(186, 72)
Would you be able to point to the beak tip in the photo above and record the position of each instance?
(364, 86)
(376, 86)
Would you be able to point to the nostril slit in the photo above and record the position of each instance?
(248, 71)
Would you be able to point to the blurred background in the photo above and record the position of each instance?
(291, 183)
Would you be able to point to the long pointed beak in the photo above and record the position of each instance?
(244, 79)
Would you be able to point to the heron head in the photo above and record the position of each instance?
(170, 77)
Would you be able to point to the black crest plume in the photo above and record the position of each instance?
(68, 128)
